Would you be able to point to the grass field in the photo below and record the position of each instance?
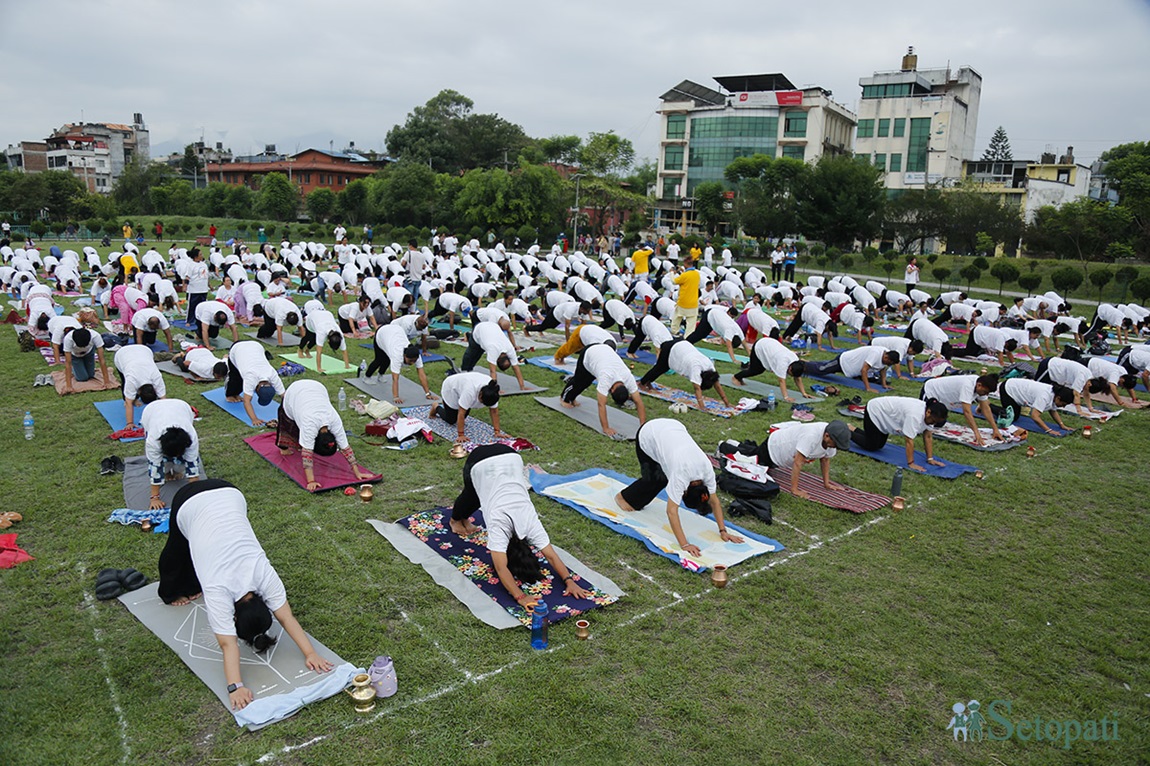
(851, 646)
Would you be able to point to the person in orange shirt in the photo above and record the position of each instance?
(687, 302)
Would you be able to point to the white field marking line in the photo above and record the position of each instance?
(372, 582)
(90, 608)
(792, 526)
(271, 756)
(648, 578)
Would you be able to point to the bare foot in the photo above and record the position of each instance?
(185, 600)
(619, 501)
(463, 528)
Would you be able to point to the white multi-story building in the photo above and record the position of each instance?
(918, 125)
(95, 152)
(704, 130)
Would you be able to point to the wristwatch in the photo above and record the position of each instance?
(233, 687)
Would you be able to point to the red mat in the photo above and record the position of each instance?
(10, 553)
(841, 498)
(331, 472)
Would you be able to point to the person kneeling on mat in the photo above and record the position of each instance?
(601, 363)
(1017, 393)
(494, 482)
(886, 416)
(669, 459)
(463, 391)
(308, 421)
(796, 444)
(212, 551)
(250, 374)
(171, 447)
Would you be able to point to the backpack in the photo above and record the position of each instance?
(751, 497)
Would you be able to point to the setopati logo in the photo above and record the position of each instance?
(970, 723)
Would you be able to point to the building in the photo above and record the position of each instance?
(311, 169)
(1028, 185)
(704, 130)
(95, 152)
(918, 125)
(205, 154)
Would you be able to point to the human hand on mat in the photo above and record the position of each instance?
(608, 431)
(727, 537)
(692, 550)
(156, 504)
(362, 475)
(241, 698)
(575, 591)
(257, 423)
(317, 663)
(313, 486)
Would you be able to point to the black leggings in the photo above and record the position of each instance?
(380, 363)
(652, 480)
(1008, 401)
(580, 381)
(869, 437)
(972, 348)
(468, 501)
(663, 363)
(754, 366)
(177, 573)
(267, 329)
(702, 328)
(308, 340)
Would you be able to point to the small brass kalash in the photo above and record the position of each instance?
(458, 451)
(366, 493)
(361, 693)
(719, 576)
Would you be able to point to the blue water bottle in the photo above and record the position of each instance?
(539, 622)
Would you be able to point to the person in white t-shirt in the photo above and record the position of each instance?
(171, 445)
(140, 379)
(1074, 375)
(308, 422)
(82, 350)
(211, 316)
(906, 349)
(250, 375)
(490, 338)
(581, 337)
(321, 329)
(963, 391)
(793, 445)
(201, 364)
(769, 354)
(393, 349)
(600, 364)
(904, 416)
(1116, 376)
(463, 392)
(680, 356)
(212, 552)
(494, 482)
(146, 323)
(1016, 393)
(669, 459)
(859, 363)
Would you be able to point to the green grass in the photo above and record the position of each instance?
(850, 647)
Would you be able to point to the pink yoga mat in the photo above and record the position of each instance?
(843, 498)
(331, 472)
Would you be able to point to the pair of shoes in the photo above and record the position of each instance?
(43, 380)
(8, 518)
(803, 416)
(107, 466)
(111, 583)
(678, 408)
(802, 407)
(116, 462)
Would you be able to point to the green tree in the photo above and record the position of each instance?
(352, 202)
(407, 196)
(999, 148)
(840, 200)
(1081, 229)
(1005, 273)
(239, 202)
(1128, 169)
(1101, 277)
(132, 191)
(278, 198)
(320, 203)
(1066, 279)
(709, 205)
(984, 244)
(604, 199)
(915, 216)
(606, 154)
(1124, 275)
(191, 164)
(971, 212)
(562, 149)
(765, 203)
(1029, 282)
(869, 253)
(211, 200)
(970, 273)
(1140, 288)
(941, 273)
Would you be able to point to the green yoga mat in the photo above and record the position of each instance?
(721, 355)
(331, 365)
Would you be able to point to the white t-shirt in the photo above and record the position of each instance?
(461, 390)
(206, 313)
(138, 367)
(991, 339)
(1030, 393)
(140, 320)
(392, 339)
(308, 404)
(774, 355)
(952, 389)
(1139, 357)
(608, 369)
(893, 343)
(227, 557)
(669, 444)
(591, 334)
(161, 415)
(898, 415)
(249, 358)
(654, 330)
(58, 325)
(1068, 373)
(931, 335)
(69, 345)
(689, 362)
(815, 317)
(722, 324)
(619, 311)
(322, 323)
(761, 321)
(1101, 368)
(803, 438)
(502, 489)
(852, 361)
(201, 362)
(494, 342)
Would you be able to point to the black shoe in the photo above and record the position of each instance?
(117, 463)
(107, 466)
(108, 584)
(131, 579)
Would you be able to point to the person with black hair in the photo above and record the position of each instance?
(887, 416)
(392, 351)
(494, 482)
(904, 347)
(250, 375)
(279, 313)
(854, 318)
(991, 341)
(616, 312)
(721, 321)
(818, 320)
(669, 459)
(932, 337)
(859, 363)
(321, 330)
(964, 391)
(1016, 393)
(770, 354)
(140, 379)
(600, 364)
(680, 356)
(171, 445)
(462, 392)
(213, 552)
(147, 323)
(1075, 376)
(1136, 360)
(82, 349)
(196, 285)
(1116, 376)
(211, 316)
(201, 363)
(307, 421)
(490, 338)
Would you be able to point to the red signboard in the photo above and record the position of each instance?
(790, 97)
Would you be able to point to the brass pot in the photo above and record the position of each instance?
(361, 693)
(898, 504)
(719, 576)
(1087, 432)
(458, 451)
(1030, 451)
(366, 493)
(146, 525)
(582, 630)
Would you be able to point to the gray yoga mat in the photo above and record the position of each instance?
(138, 486)
(625, 424)
(460, 586)
(410, 391)
(509, 386)
(170, 367)
(278, 678)
(290, 340)
(759, 389)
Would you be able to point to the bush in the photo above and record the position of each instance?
(93, 225)
(932, 258)
(1066, 279)
(526, 235)
(1005, 273)
(981, 263)
(1119, 251)
(941, 273)
(58, 227)
(17, 236)
(1100, 278)
(889, 256)
(817, 250)
(1140, 288)
(869, 253)
(1029, 282)
(39, 228)
(846, 261)
(970, 273)
(888, 267)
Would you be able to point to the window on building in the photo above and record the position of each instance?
(866, 129)
(883, 128)
(669, 185)
(919, 145)
(895, 165)
(899, 127)
(1063, 176)
(795, 152)
(673, 158)
(795, 125)
(676, 125)
(880, 162)
(734, 127)
(897, 90)
(57, 162)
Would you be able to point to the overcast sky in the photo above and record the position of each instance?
(299, 73)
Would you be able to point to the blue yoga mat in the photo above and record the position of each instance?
(1026, 422)
(113, 412)
(642, 355)
(182, 324)
(896, 455)
(236, 409)
(541, 481)
(546, 363)
(427, 357)
(841, 380)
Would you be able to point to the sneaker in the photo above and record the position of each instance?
(106, 467)
(117, 463)
(802, 416)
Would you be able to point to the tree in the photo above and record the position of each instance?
(765, 204)
(1005, 273)
(970, 273)
(408, 193)
(1066, 279)
(916, 216)
(1101, 277)
(971, 212)
(1029, 282)
(278, 197)
(132, 189)
(561, 149)
(999, 149)
(1124, 275)
(1082, 229)
(352, 202)
(1140, 288)
(191, 164)
(840, 200)
(239, 202)
(1128, 168)
(709, 205)
(941, 273)
(320, 204)
(606, 154)
(604, 199)
(212, 200)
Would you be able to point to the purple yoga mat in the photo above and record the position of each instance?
(331, 472)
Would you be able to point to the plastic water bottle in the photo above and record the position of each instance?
(539, 621)
(896, 484)
(362, 368)
(29, 427)
(342, 398)
(771, 404)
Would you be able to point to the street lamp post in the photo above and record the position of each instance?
(575, 224)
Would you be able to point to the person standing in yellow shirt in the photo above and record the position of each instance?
(641, 262)
(695, 253)
(687, 303)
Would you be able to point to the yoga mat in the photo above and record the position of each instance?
(409, 391)
(760, 389)
(290, 340)
(721, 356)
(625, 424)
(985, 360)
(509, 385)
(428, 357)
(961, 434)
(842, 380)
(1108, 399)
(182, 324)
(1101, 417)
(331, 365)
(463, 566)
(331, 472)
(95, 384)
(474, 429)
(642, 355)
(281, 682)
(713, 406)
(1026, 422)
(113, 412)
(236, 409)
(592, 494)
(842, 497)
(170, 367)
(895, 454)
(547, 362)
(138, 485)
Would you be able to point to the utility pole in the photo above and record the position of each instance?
(575, 223)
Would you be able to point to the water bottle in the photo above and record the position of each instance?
(342, 398)
(362, 368)
(539, 626)
(896, 484)
(771, 404)
(29, 427)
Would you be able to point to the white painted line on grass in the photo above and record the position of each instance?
(90, 608)
(788, 525)
(648, 578)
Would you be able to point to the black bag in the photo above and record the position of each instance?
(751, 497)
